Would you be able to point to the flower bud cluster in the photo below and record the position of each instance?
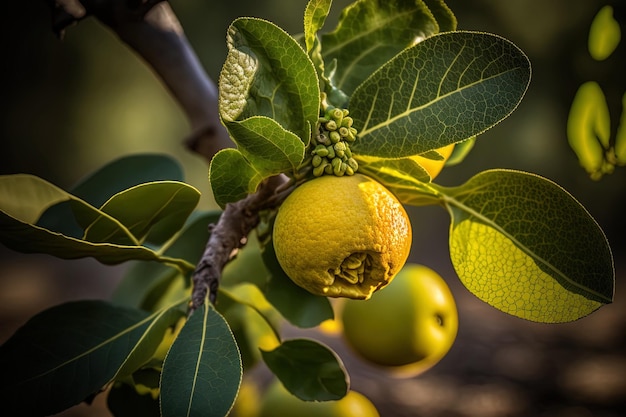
(331, 153)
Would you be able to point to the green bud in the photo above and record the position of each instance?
(316, 161)
(348, 152)
(328, 169)
(344, 131)
(337, 116)
(319, 170)
(320, 150)
(331, 125)
(337, 165)
(349, 171)
(340, 149)
(352, 163)
(334, 137)
(347, 122)
(331, 152)
(345, 112)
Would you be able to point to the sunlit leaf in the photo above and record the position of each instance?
(232, 176)
(267, 73)
(308, 369)
(525, 246)
(444, 90)
(152, 212)
(314, 17)
(369, 34)
(202, 370)
(604, 34)
(269, 148)
(67, 353)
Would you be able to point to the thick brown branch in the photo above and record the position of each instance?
(235, 223)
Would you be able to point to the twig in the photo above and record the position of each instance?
(235, 223)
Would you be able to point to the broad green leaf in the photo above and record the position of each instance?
(124, 173)
(604, 34)
(370, 33)
(152, 212)
(620, 137)
(308, 369)
(151, 338)
(297, 305)
(28, 238)
(445, 89)
(202, 370)
(67, 353)
(267, 73)
(589, 127)
(232, 176)
(314, 17)
(269, 148)
(525, 246)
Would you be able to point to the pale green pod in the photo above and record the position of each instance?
(604, 34)
(589, 126)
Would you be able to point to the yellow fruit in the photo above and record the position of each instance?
(278, 402)
(407, 328)
(430, 165)
(342, 236)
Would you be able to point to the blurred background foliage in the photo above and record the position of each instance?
(70, 106)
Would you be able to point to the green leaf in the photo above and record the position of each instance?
(461, 150)
(589, 127)
(152, 212)
(525, 246)
(67, 353)
(370, 33)
(202, 370)
(267, 73)
(297, 305)
(269, 148)
(126, 172)
(443, 15)
(232, 177)
(314, 17)
(308, 369)
(446, 89)
(604, 34)
(400, 176)
(23, 198)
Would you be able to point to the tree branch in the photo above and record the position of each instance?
(151, 29)
(235, 223)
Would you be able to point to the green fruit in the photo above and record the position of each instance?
(278, 402)
(408, 326)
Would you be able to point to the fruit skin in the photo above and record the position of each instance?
(430, 165)
(408, 327)
(278, 402)
(329, 227)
